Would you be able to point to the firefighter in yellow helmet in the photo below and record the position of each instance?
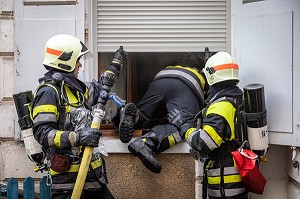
(61, 112)
(215, 140)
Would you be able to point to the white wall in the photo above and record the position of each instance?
(266, 45)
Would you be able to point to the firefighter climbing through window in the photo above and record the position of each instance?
(178, 86)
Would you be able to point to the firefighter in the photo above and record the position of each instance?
(215, 140)
(179, 86)
(59, 95)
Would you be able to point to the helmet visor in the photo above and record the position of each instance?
(85, 52)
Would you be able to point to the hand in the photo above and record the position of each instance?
(197, 155)
(120, 57)
(88, 137)
(178, 119)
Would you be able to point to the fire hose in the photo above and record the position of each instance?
(107, 81)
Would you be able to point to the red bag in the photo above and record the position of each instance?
(251, 176)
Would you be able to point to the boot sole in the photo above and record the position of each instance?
(126, 126)
(154, 167)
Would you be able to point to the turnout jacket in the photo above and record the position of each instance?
(52, 127)
(216, 139)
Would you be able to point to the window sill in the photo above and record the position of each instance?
(113, 144)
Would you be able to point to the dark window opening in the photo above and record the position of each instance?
(140, 70)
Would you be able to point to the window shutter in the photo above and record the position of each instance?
(163, 26)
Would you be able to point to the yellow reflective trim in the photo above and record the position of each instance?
(86, 94)
(74, 168)
(209, 163)
(171, 140)
(57, 138)
(226, 110)
(213, 134)
(234, 163)
(46, 108)
(188, 132)
(71, 98)
(42, 85)
(227, 179)
(96, 164)
(109, 71)
(196, 72)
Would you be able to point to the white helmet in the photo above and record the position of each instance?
(62, 52)
(220, 67)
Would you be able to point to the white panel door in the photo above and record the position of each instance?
(267, 59)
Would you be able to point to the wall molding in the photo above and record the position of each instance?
(4, 54)
(47, 2)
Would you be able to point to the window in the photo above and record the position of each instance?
(140, 71)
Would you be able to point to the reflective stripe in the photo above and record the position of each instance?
(86, 94)
(208, 140)
(226, 110)
(45, 117)
(171, 140)
(190, 131)
(213, 134)
(228, 192)
(227, 171)
(70, 186)
(190, 134)
(71, 98)
(50, 138)
(57, 138)
(226, 66)
(193, 71)
(53, 51)
(177, 137)
(47, 108)
(74, 168)
(185, 75)
(227, 179)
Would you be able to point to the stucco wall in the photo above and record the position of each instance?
(128, 178)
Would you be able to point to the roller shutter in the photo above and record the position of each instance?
(163, 26)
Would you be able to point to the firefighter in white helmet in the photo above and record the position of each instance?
(60, 95)
(215, 140)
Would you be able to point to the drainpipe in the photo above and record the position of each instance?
(198, 179)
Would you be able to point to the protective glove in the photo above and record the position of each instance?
(178, 119)
(88, 137)
(120, 57)
(197, 155)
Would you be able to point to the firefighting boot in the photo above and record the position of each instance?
(143, 147)
(127, 120)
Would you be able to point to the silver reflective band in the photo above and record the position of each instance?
(185, 75)
(177, 137)
(50, 138)
(70, 186)
(227, 171)
(228, 192)
(208, 140)
(45, 117)
(189, 141)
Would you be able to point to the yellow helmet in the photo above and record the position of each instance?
(62, 52)
(221, 67)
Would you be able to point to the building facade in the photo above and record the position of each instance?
(263, 36)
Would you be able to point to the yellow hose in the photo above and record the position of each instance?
(84, 167)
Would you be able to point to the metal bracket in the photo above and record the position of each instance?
(295, 163)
